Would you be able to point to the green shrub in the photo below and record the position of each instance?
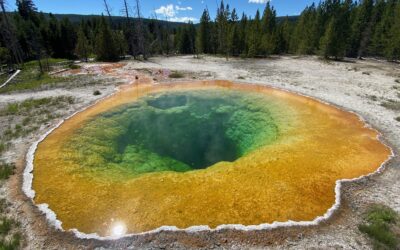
(27, 106)
(5, 226)
(379, 227)
(12, 109)
(12, 244)
(176, 74)
(6, 170)
(96, 92)
(28, 80)
(74, 66)
(2, 147)
(391, 104)
(26, 121)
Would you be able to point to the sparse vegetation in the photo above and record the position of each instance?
(27, 106)
(2, 147)
(397, 80)
(11, 244)
(372, 97)
(74, 66)
(96, 92)
(30, 78)
(398, 118)
(9, 240)
(392, 104)
(382, 226)
(32, 112)
(6, 170)
(176, 74)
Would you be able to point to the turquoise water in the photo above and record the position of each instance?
(176, 131)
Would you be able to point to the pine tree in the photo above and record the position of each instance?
(242, 42)
(254, 36)
(333, 43)
(283, 37)
(361, 28)
(203, 34)
(376, 45)
(233, 34)
(120, 43)
(67, 39)
(305, 39)
(5, 57)
(393, 44)
(223, 14)
(82, 46)
(106, 49)
(26, 8)
(268, 27)
(9, 37)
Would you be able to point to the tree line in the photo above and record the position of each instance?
(332, 29)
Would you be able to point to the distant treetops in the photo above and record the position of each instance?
(332, 29)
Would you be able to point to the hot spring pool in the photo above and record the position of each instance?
(205, 153)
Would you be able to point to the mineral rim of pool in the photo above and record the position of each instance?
(203, 153)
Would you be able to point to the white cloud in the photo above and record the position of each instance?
(183, 19)
(178, 8)
(168, 11)
(171, 12)
(259, 1)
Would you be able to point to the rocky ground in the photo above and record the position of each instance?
(369, 88)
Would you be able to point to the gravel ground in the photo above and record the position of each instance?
(359, 86)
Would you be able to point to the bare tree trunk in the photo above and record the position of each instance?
(126, 11)
(7, 31)
(129, 27)
(107, 8)
(140, 30)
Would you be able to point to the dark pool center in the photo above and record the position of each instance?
(178, 131)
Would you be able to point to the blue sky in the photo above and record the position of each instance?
(174, 10)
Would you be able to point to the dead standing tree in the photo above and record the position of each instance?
(9, 37)
(129, 28)
(140, 32)
(108, 11)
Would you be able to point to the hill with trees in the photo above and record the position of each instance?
(333, 29)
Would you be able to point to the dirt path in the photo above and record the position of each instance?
(360, 86)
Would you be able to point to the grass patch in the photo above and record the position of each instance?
(176, 74)
(32, 113)
(29, 81)
(372, 97)
(11, 244)
(5, 226)
(7, 241)
(6, 170)
(74, 66)
(2, 147)
(28, 105)
(381, 222)
(391, 104)
(30, 77)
